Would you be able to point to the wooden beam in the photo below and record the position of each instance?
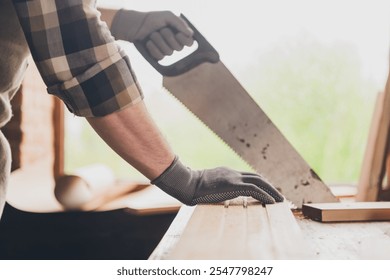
(236, 232)
(327, 241)
(372, 172)
(59, 138)
(287, 237)
(348, 211)
(173, 234)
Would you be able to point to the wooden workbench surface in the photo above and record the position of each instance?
(330, 241)
(347, 240)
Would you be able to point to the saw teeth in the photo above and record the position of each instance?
(291, 204)
(215, 134)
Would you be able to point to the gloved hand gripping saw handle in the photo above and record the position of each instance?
(204, 53)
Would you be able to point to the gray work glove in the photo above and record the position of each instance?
(213, 185)
(158, 27)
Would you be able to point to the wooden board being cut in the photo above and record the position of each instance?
(238, 232)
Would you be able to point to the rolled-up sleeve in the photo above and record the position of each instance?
(78, 59)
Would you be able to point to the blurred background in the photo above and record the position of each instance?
(315, 67)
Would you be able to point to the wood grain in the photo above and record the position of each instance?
(236, 232)
(173, 234)
(372, 172)
(329, 241)
(346, 240)
(287, 237)
(348, 211)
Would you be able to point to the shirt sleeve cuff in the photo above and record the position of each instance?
(106, 87)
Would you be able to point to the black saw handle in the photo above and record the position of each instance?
(204, 53)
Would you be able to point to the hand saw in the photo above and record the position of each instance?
(209, 90)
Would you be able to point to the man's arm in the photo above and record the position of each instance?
(148, 152)
(81, 63)
(133, 135)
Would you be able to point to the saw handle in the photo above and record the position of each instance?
(204, 53)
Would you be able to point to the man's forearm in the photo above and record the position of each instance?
(133, 134)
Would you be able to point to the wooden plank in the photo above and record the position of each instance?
(205, 231)
(348, 211)
(287, 236)
(372, 172)
(343, 191)
(173, 234)
(147, 201)
(31, 189)
(388, 170)
(59, 138)
(328, 241)
(236, 232)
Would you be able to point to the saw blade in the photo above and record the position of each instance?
(217, 99)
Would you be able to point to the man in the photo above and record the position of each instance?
(80, 62)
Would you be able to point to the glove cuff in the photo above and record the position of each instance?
(178, 180)
(126, 24)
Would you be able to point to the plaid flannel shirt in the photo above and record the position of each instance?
(77, 57)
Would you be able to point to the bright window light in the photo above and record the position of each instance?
(315, 67)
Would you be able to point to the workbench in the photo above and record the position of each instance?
(341, 241)
(326, 241)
